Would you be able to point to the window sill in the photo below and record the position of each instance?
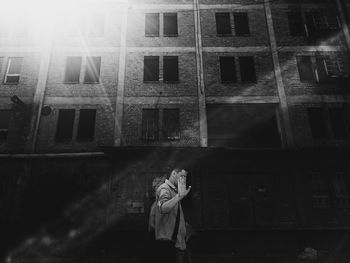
(224, 35)
(70, 83)
(228, 82)
(84, 140)
(151, 81)
(91, 82)
(152, 35)
(171, 81)
(11, 84)
(175, 35)
(64, 141)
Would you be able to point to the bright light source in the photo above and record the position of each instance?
(42, 17)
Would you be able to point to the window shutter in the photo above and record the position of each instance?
(171, 68)
(65, 124)
(241, 24)
(223, 24)
(151, 68)
(152, 24)
(170, 24)
(228, 69)
(247, 68)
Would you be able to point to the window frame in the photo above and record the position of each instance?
(58, 125)
(247, 29)
(144, 69)
(228, 34)
(155, 118)
(90, 138)
(89, 66)
(165, 131)
(13, 75)
(177, 25)
(253, 69)
(65, 81)
(221, 63)
(169, 58)
(157, 34)
(6, 130)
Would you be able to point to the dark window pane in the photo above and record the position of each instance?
(150, 119)
(92, 71)
(152, 24)
(171, 124)
(65, 124)
(170, 24)
(151, 69)
(86, 125)
(337, 117)
(341, 185)
(318, 123)
(227, 69)
(296, 26)
(73, 69)
(171, 68)
(322, 69)
(96, 25)
(305, 68)
(5, 116)
(320, 192)
(241, 24)
(14, 70)
(247, 68)
(15, 65)
(223, 24)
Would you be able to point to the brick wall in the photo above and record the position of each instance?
(189, 127)
(134, 85)
(108, 76)
(291, 78)
(265, 85)
(104, 129)
(257, 26)
(136, 29)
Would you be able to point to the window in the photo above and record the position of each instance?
(337, 118)
(72, 74)
(320, 192)
(170, 24)
(332, 67)
(65, 124)
(96, 25)
(321, 23)
(5, 116)
(241, 24)
(223, 24)
(171, 124)
(86, 125)
(151, 68)
(171, 69)
(328, 123)
(92, 70)
(342, 190)
(318, 124)
(295, 22)
(13, 72)
(247, 68)
(150, 119)
(305, 68)
(227, 69)
(152, 24)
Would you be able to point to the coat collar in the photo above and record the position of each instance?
(171, 185)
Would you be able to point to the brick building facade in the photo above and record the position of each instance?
(251, 93)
